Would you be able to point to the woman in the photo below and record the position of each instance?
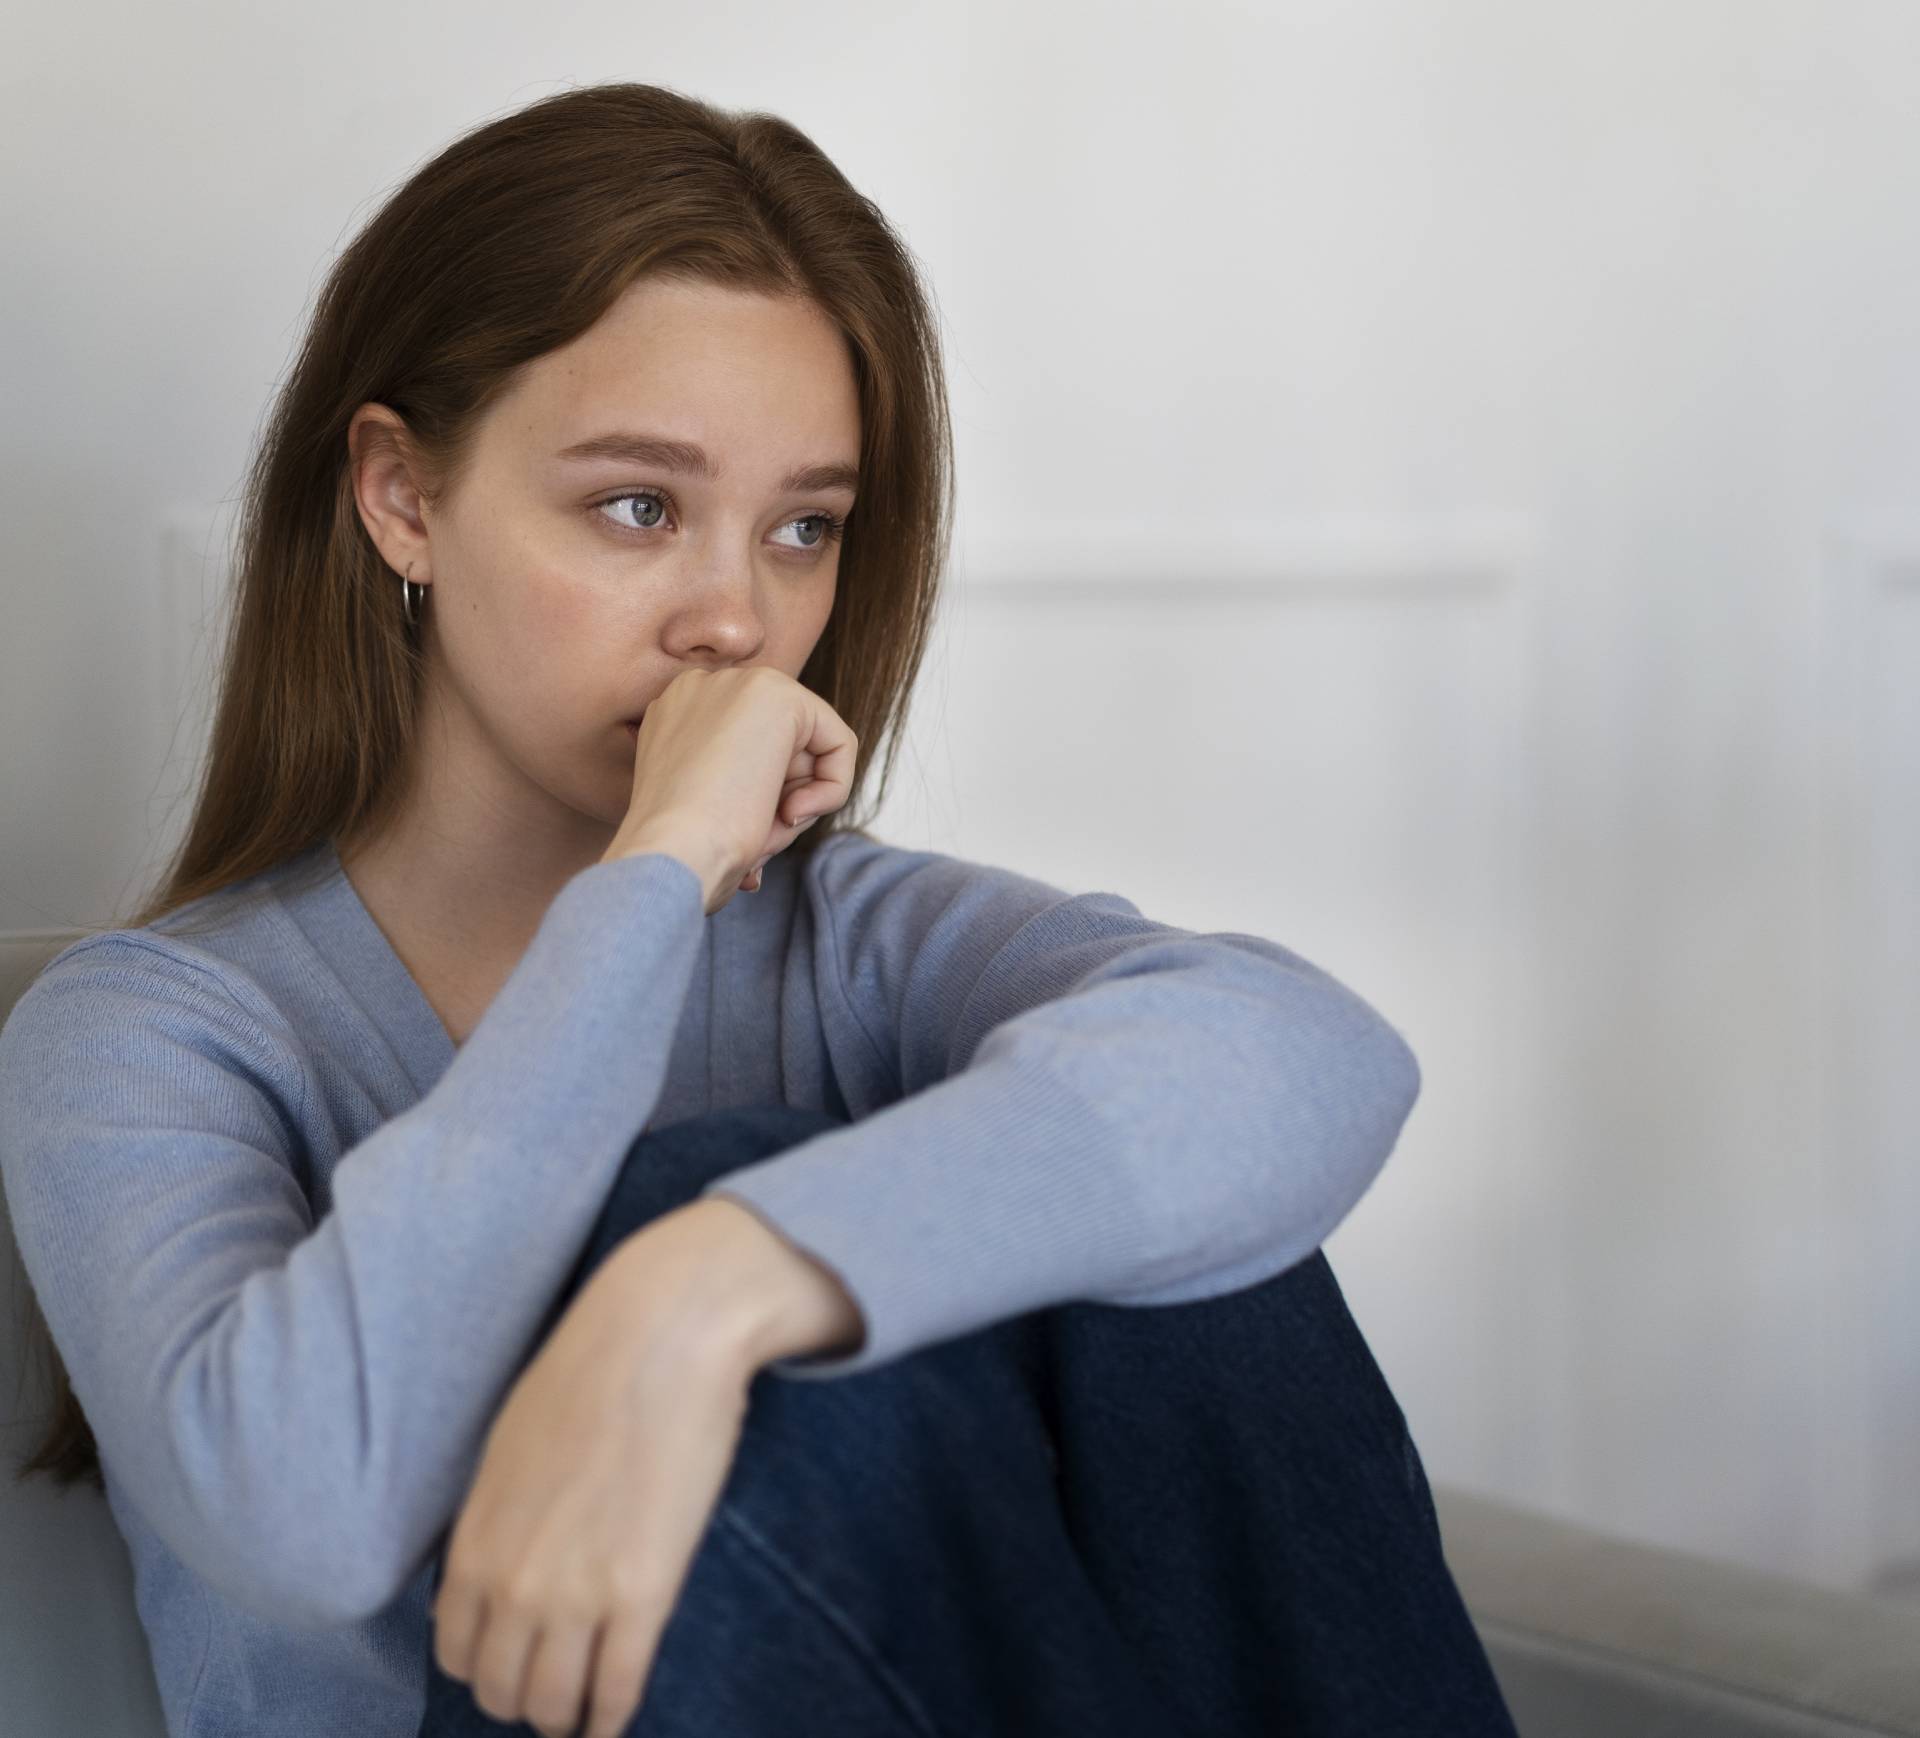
(502, 1278)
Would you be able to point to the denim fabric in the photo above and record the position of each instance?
(1197, 1520)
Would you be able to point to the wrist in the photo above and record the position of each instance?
(721, 1279)
(679, 844)
(789, 1303)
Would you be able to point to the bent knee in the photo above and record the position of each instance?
(756, 1130)
(668, 1167)
(964, 1403)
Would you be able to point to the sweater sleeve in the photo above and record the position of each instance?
(297, 1409)
(1088, 1105)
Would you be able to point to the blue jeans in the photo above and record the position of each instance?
(1195, 1520)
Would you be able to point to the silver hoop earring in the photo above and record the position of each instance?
(411, 598)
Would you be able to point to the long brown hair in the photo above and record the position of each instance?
(510, 243)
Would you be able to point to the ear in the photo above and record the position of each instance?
(386, 491)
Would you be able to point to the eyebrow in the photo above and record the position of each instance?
(672, 455)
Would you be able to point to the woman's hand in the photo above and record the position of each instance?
(599, 1477)
(729, 768)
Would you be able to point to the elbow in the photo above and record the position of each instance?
(286, 1549)
(1399, 1072)
(1387, 1086)
(1369, 1085)
(299, 1582)
(1363, 1120)
(1358, 1071)
(303, 1574)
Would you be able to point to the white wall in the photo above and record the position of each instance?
(1438, 489)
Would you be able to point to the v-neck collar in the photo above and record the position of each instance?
(337, 921)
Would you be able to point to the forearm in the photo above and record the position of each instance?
(716, 1275)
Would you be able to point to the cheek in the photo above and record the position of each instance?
(549, 613)
(544, 627)
(564, 600)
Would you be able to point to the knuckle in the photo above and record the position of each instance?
(517, 1608)
(625, 1653)
(520, 1596)
(528, 1582)
(632, 1598)
(461, 1577)
(474, 1569)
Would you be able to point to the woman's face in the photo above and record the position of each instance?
(653, 497)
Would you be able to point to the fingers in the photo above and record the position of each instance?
(507, 1638)
(549, 1675)
(835, 765)
(595, 1671)
(750, 882)
(791, 810)
(620, 1674)
(557, 1678)
(818, 783)
(807, 802)
(456, 1627)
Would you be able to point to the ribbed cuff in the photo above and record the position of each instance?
(991, 1194)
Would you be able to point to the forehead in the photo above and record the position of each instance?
(767, 378)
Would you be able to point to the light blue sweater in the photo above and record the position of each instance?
(295, 1247)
